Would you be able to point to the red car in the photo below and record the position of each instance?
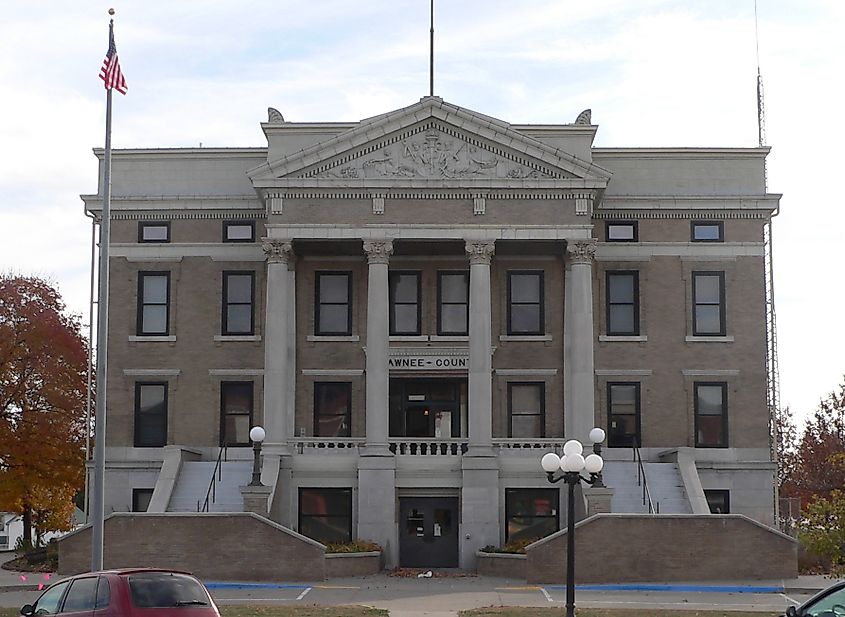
(128, 592)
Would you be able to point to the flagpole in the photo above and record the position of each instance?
(98, 494)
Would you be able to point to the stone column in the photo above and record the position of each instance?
(580, 416)
(378, 341)
(277, 346)
(376, 465)
(480, 466)
(480, 345)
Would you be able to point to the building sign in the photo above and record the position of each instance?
(406, 359)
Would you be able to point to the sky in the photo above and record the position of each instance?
(654, 73)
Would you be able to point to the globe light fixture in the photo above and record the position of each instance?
(256, 435)
(572, 463)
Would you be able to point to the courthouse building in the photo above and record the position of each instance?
(416, 307)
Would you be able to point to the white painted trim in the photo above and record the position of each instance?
(333, 372)
(625, 258)
(609, 338)
(152, 339)
(692, 372)
(709, 339)
(425, 232)
(441, 338)
(525, 372)
(410, 339)
(175, 259)
(525, 338)
(236, 337)
(235, 372)
(695, 258)
(688, 251)
(217, 251)
(333, 339)
(151, 372)
(624, 372)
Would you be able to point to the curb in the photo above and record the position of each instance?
(677, 588)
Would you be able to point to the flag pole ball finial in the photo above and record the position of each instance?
(111, 11)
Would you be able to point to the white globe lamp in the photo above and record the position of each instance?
(573, 446)
(593, 463)
(550, 462)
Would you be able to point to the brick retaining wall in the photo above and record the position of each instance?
(232, 546)
(619, 548)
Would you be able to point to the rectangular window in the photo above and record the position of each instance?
(141, 498)
(719, 500)
(453, 303)
(525, 303)
(623, 303)
(154, 231)
(404, 303)
(708, 292)
(526, 409)
(235, 412)
(333, 293)
(238, 231)
(332, 409)
(239, 303)
(150, 415)
(711, 415)
(530, 513)
(153, 304)
(325, 514)
(707, 231)
(623, 411)
(622, 231)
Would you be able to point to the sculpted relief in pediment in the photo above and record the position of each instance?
(432, 153)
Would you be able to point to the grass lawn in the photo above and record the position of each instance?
(601, 612)
(360, 611)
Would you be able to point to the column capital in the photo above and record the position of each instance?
(582, 251)
(378, 251)
(277, 251)
(480, 252)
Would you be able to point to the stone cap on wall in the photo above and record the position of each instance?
(631, 516)
(261, 519)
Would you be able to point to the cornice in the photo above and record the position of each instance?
(675, 152)
(165, 153)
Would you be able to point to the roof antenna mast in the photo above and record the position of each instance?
(431, 54)
(772, 368)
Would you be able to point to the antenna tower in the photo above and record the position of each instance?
(772, 369)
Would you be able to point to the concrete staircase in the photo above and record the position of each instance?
(664, 484)
(194, 479)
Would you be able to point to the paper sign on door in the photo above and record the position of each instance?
(437, 532)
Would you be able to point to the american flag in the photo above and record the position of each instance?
(111, 74)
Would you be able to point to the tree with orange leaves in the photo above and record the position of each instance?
(43, 368)
(816, 465)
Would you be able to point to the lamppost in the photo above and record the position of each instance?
(256, 434)
(572, 464)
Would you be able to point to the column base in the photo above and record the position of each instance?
(480, 506)
(255, 498)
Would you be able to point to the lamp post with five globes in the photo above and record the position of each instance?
(572, 464)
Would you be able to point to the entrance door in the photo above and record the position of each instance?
(426, 407)
(428, 532)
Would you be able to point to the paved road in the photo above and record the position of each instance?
(442, 597)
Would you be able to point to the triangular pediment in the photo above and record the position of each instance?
(430, 140)
(433, 150)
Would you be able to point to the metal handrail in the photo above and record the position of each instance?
(643, 481)
(216, 476)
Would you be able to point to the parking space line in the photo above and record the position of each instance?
(795, 602)
(547, 594)
(676, 588)
(302, 595)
